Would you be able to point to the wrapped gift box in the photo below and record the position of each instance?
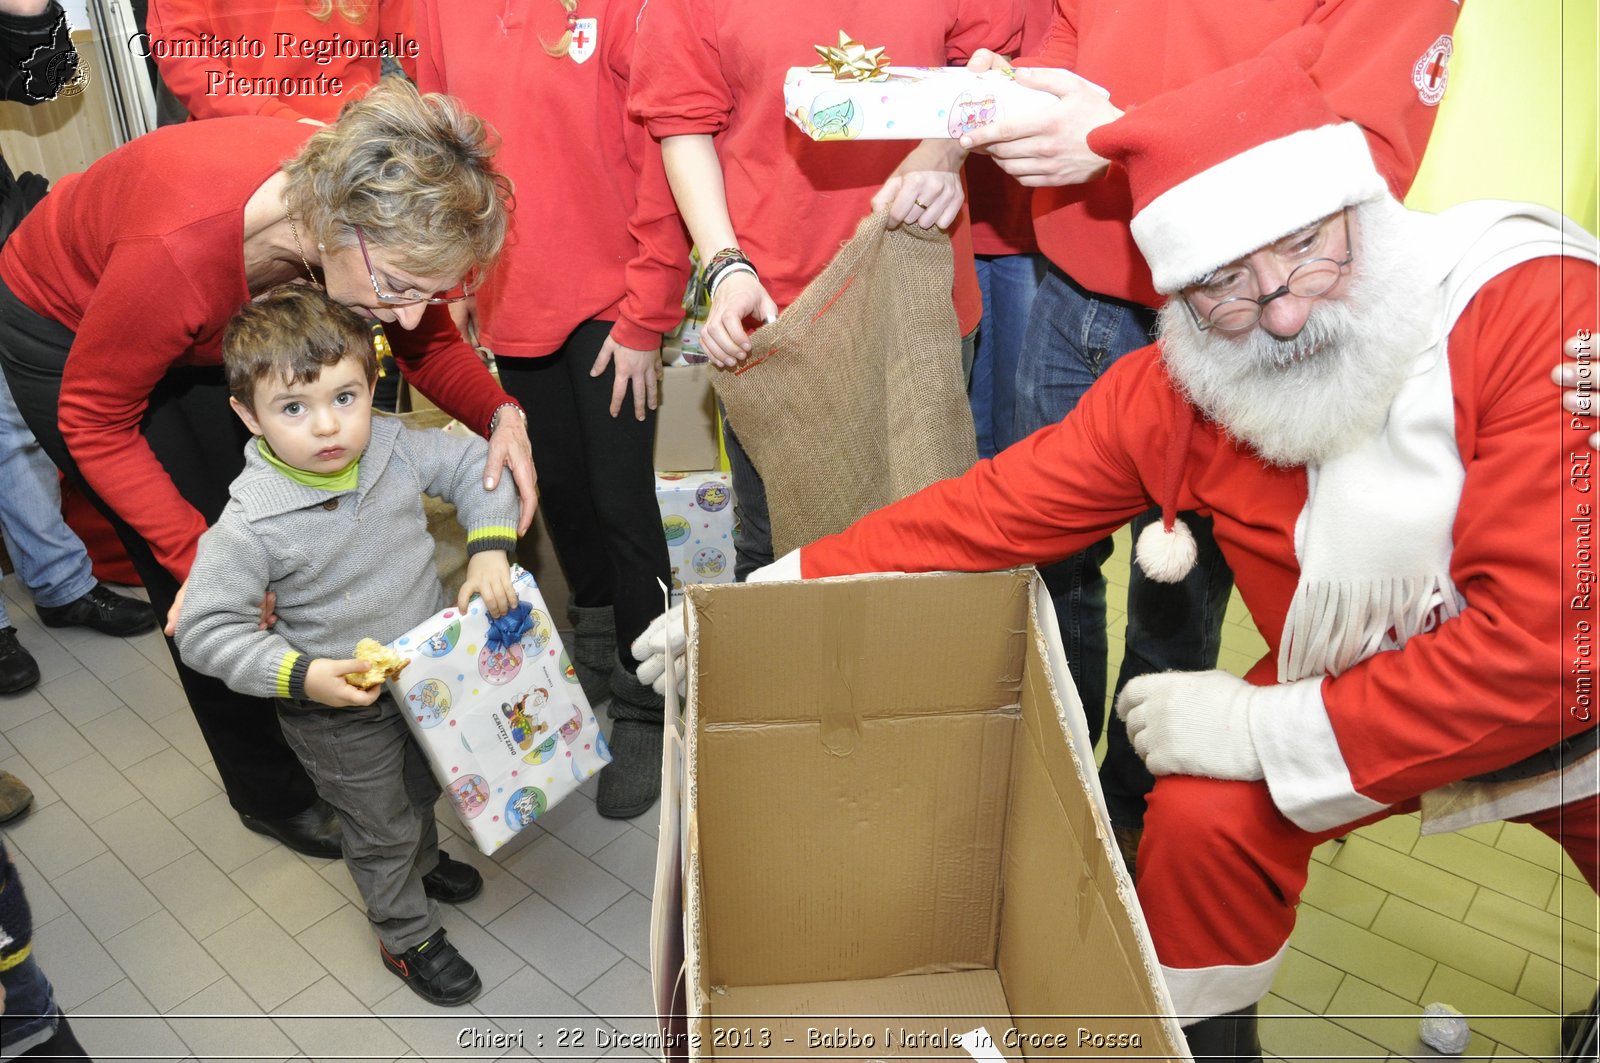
(503, 723)
(913, 103)
(697, 519)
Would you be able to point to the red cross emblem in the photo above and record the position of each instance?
(1431, 73)
(585, 31)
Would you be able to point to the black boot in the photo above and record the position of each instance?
(594, 649)
(1230, 1038)
(315, 832)
(630, 784)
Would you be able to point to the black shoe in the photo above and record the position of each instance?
(314, 832)
(18, 669)
(435, 971)
(104, 610)
(452, 881)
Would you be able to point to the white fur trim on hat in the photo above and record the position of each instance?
(1166, 556)
(1246, 202)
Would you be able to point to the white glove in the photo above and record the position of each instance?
(1192, 723)
(665, 635)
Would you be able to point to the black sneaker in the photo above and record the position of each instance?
(18, 669)
(104, 610)
(452, 881)
(435, 971)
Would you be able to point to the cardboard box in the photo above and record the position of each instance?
(506, 729)
(914, 103)
(686, 420)
(698, 522)
(893, 833)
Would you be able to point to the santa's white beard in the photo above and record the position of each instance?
(1307, 399)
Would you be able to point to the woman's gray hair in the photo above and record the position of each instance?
(414, 171)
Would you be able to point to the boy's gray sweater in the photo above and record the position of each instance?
(345, 565)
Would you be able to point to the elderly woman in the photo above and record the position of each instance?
(113, 297)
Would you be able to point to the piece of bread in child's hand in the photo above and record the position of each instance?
(383, 664)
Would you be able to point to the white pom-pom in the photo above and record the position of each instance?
(1444, 1029)
(1166, 556)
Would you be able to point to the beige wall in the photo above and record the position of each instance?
(66, 134)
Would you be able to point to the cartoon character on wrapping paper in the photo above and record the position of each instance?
(471, 795)
(519, 714)
(969, 114)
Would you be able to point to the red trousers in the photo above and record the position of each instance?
(1221, 871)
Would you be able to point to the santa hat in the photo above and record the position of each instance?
(1232, 162)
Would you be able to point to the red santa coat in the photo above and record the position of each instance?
(1477, 693)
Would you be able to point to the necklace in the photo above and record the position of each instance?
(295, 232)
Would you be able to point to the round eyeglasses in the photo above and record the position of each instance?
(1312, 277)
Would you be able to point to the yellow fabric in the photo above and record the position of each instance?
(285, 670)
(1518, 120)
(11, 960)
(493, 531)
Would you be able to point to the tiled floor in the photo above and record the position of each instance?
(171, 932)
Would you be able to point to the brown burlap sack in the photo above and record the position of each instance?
(855, 396)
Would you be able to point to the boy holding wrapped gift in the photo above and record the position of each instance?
(328, 516)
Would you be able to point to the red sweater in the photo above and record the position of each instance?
(219, 38)
(1478, 692)
(142, 256)
(595, 232)
(717, 66)
(1140, 48)
(1002, 209)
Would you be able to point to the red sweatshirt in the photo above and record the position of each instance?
(717, 66)
(1374, 70)
(595, 232)
(209, 52)
(142, 256)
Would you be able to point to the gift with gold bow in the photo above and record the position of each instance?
(854, 94)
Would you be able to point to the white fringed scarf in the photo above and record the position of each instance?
(1374, 539)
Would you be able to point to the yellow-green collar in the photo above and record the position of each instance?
(343, 480)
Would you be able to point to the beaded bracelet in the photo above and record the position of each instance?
(494, 418)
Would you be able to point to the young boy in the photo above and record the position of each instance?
(328, 515)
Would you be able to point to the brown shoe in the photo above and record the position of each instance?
(15, 797)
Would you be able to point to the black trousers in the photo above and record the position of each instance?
(200, 444)
(596, 484)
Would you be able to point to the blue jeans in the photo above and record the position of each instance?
(1008, 283)
(1073, 337)
(50, 560)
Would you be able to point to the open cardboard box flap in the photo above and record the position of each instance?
(893, 829)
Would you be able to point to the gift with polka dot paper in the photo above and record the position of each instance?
(496, 707)
(697, 519)
(908, 103)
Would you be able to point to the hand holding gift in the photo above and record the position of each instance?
(1047, 144)
(489, 577)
